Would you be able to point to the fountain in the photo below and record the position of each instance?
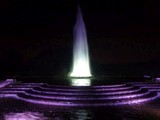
(43, 101)
(81, 64)
(80, 93)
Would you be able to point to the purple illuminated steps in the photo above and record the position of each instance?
(106, 95)
(6, 82)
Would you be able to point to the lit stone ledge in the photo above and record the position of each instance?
(7, 82)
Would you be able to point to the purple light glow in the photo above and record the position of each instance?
(80, 93)
(74, 104)
(89, 96)
(102, 97)
(27, 85)
(95, 87)
(86, 90)
(25, 116)
(7, 82)
(21, 88)
(158, 79)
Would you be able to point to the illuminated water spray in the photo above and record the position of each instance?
(81, 64)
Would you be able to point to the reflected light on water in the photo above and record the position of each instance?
(83, 115)
(80, 82)
(25, 116)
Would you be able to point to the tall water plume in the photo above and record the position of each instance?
(81, 62)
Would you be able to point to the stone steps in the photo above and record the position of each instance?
(88, 96)
(33, 91)
(39, 93)
(86, 103)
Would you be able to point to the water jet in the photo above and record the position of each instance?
(81, 62)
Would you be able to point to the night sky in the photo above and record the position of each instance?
(37, 35)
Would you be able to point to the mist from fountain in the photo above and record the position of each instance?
(81, 62)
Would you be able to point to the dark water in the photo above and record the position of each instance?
(17, 110)
(11, 109)
(94, 80)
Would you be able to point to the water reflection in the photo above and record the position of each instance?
(83, 115)
(25, 116)
(80, 82)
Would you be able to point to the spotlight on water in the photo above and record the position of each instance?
(80, 82)
(81, 64)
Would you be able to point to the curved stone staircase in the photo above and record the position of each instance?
(88, 96)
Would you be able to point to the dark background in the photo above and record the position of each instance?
(36, 37)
